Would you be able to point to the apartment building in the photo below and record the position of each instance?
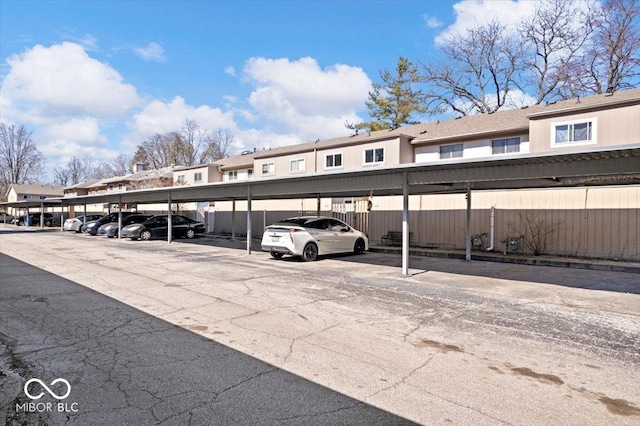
(595, 221)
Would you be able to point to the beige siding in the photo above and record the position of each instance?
(396, 151)
(617, 126)
(591, 222)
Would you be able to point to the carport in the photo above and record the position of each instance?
(587, 167)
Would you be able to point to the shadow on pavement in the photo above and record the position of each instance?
(128, 367)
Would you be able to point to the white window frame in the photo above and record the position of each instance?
(110, 187)
(571, 125)
(450, 145)
(271, 168)
(120, 186)
(197, 177)
(504, 140)
(334, 154)
(249, 173)
(233, 175)
(374, 162)
(297, 162)
(180, 179)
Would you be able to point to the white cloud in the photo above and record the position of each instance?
(162, 117)
(62, 80)
(432, 21)
(152, 52)
(299, 97)
(471, 13)
(230, 70)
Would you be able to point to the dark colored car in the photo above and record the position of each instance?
(92, 227)
(34, 219)
(157, 227)
(111, 229)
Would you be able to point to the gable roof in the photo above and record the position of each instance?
(28, 189)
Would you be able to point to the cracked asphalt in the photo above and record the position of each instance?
(199, 332)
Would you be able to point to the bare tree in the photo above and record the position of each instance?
(553, 37)
(478, 72)
(122, 164)
(216, 146)
(20, 160)
(80, 170)
(188, 147)
(612, 62)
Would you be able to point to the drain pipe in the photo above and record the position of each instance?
(493, 227)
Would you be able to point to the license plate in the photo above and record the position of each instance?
(275, 239)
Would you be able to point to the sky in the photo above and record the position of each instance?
(95, 78)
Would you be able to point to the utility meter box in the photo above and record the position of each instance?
(512, 244)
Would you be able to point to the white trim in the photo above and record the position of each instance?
(333, 154)
(374, 149)
(270, 170)
(594, 133)
(297, 161)
(452, 157)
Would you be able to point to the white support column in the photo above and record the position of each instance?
(41, 215)
(169, 220)
(119, 215)
(405, 225)
(233, 220)
(318, 206)
(248, 219)
(468, 227)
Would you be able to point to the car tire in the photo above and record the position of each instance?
(190, 234)
(358, 248)
(310, 252)
(145, 235)
(276, 255)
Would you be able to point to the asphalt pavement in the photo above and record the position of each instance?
(178, 332)
(125, 367)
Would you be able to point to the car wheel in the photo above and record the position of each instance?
(310, 252)
(145, 235)
(359, 247)
(276, 255)
(190, 233)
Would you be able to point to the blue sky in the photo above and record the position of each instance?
(95, 78)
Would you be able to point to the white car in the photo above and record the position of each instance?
(311, 236)
(75, 223)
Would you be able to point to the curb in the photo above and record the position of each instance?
(593, 265)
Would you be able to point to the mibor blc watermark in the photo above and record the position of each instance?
(31, 391)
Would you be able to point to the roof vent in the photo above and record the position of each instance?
(246, 151)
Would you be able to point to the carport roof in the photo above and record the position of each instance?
(593, 167)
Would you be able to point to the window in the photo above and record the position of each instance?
(374, 156)
(297, 165)
(268, 168)
(333, 161)
(110, 188)
(233, 175)
(180, 179)
(451, 151)
(250, 173)
(574, 132)
(505, 146)
(119, 187)
(197, 177)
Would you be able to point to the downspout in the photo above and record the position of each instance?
(492, 227)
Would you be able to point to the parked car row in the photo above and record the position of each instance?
(136, 226)
(33, 219)
(304, 236)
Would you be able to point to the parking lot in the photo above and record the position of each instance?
(455, 342)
